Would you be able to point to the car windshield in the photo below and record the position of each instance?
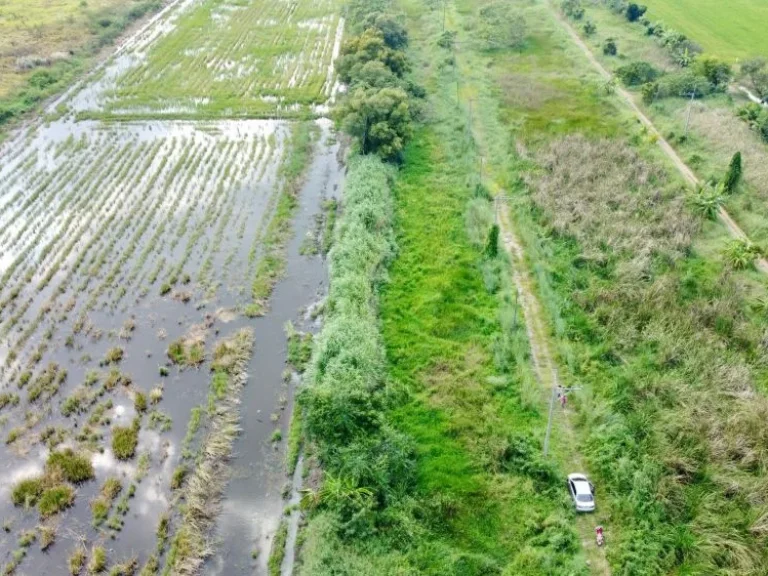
(584, 497)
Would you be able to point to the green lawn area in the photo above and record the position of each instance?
(731, 29)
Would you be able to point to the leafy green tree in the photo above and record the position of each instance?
(367, 47)
(501, 26)
(590, 28)
(609, 47)
(374, 74)
(635, 11)
(394, 33)
(378, 120)
(733, 176)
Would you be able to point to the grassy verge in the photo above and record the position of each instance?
(270, 268)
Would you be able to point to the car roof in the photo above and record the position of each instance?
(576, 477)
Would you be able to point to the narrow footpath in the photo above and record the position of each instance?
(733, 228)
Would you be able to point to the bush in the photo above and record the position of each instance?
(637, 73)
(635, 11)
(609, 47)
(378, 121)
(684, 84)
(124, 441)
(56, 499)
(755, 70)
(492, 247)
(649, 92)
(733, 175)
(590, 28)
(27, 492)
(717, 72)
(741, 254)
(573, 9)
(71, 466)
(447, 39)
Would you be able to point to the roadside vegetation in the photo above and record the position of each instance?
(420, 398)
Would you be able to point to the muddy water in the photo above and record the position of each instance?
(254, 503)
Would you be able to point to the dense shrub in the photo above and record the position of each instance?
(609, 47)
(344, 401)
(637, 73)
(573, 9)
(684, 84)
(757, 118)
(635, 11)
(718, 73)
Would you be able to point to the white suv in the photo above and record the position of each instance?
(582, 491)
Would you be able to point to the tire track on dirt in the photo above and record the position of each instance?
(733, 228)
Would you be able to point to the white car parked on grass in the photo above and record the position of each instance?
(582, 491)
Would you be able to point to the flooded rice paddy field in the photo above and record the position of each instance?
(128, 252)
(222, 58)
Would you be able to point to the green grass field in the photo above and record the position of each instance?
(732, 29)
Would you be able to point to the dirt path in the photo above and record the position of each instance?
(725, 218)
(547, 374)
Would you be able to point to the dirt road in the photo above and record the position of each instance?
(725, 218)
(547, 375)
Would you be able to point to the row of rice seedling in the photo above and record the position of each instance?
(90, 178)
(106, 203)
(248, 60)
